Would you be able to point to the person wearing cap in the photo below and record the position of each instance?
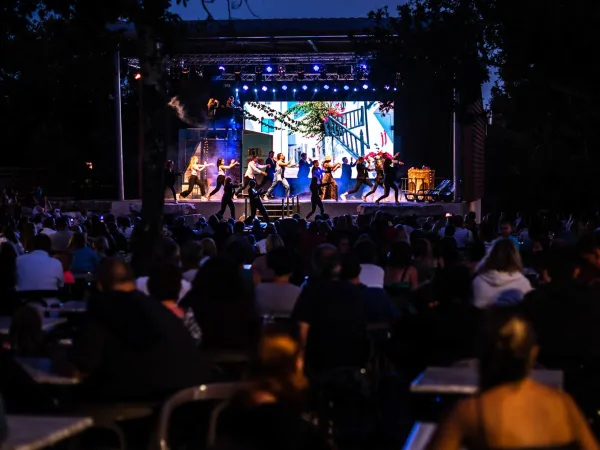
(330, 188)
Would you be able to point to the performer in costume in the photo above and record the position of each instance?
(378, 178)
(330, 188)
(193, 180)
(255, 203)
(253, 169)
(227, 199)
(346, 173)
(221, 168)
(280, 166)
(362, 177)
(169, 178)
(272, 167)
(389, 179)
(316, 184)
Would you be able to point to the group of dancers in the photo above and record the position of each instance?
(323, 185)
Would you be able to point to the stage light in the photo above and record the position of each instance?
(386, 87)
(284, 87)
(281, 70)
(346, 87)
(137, 76)
(295, 90)
(245, 87)
(274, 90)
(355, 89)
(255, 90)
(334, 89)
(222, 68)
(316, 89)
(326, 87)
(269, 69)
(316, 68)
(237, 90)
(395, 89)
(365, 86)
(304, 87)
(264, 88)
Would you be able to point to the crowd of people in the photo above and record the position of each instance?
(299, 299)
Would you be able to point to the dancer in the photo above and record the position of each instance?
(346, 173)
(389, 180)
(378, 181)
(221, 168)
(330, 188)
(362, 177)
(193, 180)
(169, 178)
(253, 169)
(316, 183)
(280, 166)
(303, 172)
(255, 203)
(272, 163)
(227, 199)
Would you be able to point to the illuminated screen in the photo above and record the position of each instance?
(348, 130)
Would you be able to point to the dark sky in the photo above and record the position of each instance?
(279, 9)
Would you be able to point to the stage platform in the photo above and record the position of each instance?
(333, 208)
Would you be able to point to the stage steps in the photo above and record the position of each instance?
(279, 209)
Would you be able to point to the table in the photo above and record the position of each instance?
(40, 370)
(465, 380)
(420, 435)
(48, 323)
(34, 433)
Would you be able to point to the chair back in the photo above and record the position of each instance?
(204, 392)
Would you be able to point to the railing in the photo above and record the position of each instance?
(355, 145)
(353, 119)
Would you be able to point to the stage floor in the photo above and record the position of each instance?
(332, 207)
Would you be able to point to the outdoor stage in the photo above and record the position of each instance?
(333, 208)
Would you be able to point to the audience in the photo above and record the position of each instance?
(85, 259)
(62, 237)
(38, 271)
(371, 274)
(278, 296)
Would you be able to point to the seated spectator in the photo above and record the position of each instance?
(118, 237)
(500, 279)
(278, 297)
(25, 336)
(463, 237)
(512, 410)
(38, 271)
(371, 275)
(9, 235)
(191, 257)
(101, 247)
(62, 237)
(423, 260)
(400, 275)
(240, 252)
(267, 414)
(124, 224)
(48, 226)
(208, 249)
(164, 285)
(85, 259)
(506, 230)
(331, 316)
(130, 347)
(379, 307)
(66, 258)
(166, 251)
(260, 265)
(223, 307)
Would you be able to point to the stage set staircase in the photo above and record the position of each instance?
(340, 129)
(277, 209)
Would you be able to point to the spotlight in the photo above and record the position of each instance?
(269, 69)
(264, 88)
(304, 87)
(334, 89)
(274, 90)
(245, 87)
(137, 76)
(237, 90)
(386, 87)
(326, 87)
(294, 90)
(365, 86)
(284, 87)
(281, 70)
(222, 68)
(395, 89)
(355, 89)
(316, 68)
(255, 90)
(315, 89)
(346, 87)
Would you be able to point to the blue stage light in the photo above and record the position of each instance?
(222, 68)
(334, 89)
(355, 89)
(395, 89)
(245, 87)
(326, 87)
(284, 87)
(237, 90)
(295, 90)
(304, 87)
(346, 87)
(365, 86)
(316, 68)
(264, 88)
(316, 89)
(274, 90)
(269, 69)
(255, 90)
(386, 87)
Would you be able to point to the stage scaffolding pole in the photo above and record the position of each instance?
(455, 160)
(119, 127)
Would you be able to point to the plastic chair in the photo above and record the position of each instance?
(204, 392)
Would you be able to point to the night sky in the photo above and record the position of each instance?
(279, 9)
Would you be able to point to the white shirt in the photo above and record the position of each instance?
(37, 271)
(47, 231)
(493, 287)
(276, 299)
(254, 169)
(463, 237)
(141, 285)
(371, 275)
(195, 169)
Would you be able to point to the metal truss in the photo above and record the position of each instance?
(287, 77)
(263, 59)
